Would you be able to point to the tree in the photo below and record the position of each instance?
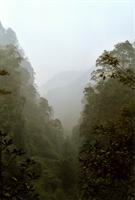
(3, 73)
(2, 92)
(118, 64)
(107, 126)
(28, 121)
(18, 172)
(108, 164)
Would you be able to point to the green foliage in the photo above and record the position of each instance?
(17, 173)
(118, 64)
(107, 127)
(28, 120)
(108, 170)
(3, 91)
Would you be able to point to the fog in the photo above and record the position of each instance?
(63, 35)
(70, 136)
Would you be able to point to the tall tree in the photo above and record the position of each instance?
(107, 153)
(17, 172)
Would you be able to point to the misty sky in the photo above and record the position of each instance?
(67, 34)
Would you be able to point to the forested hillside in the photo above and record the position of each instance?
(31, 139)
(108, 128)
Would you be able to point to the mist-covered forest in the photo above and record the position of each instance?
(90, 154)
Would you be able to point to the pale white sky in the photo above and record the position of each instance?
(67, 34)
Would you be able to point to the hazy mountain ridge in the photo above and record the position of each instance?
(65, 93)
(7, 36)
(61, 79)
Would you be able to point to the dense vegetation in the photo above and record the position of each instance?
(33, 151)
(107, 125)
(37, 161)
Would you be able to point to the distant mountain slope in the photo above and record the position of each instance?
(65, 92)
(7, 36)
(61, 79)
